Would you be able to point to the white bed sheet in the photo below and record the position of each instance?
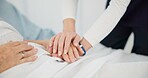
(102, 63)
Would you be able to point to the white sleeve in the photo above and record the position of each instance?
(69, 8)
(107, 21)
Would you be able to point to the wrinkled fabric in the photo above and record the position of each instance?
(102, 63)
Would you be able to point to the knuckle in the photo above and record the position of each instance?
(2, 58)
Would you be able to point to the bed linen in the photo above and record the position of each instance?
(101, 63)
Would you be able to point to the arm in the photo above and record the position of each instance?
(105, 23)
(64, 38)
(69, 14)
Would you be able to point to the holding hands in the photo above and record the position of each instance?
(66, 43)
(66, 46)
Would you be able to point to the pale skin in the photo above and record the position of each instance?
(66, 44)
(71, 56)
(10, 54)
(61, 42)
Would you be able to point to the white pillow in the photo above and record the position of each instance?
(8, 33)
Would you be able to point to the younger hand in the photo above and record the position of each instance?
(61, 42)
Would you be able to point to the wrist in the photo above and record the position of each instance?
(85, 44)
(69, 25)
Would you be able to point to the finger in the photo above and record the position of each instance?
(65, 57)
(55, 46)
(71, 55)
(29, 59)
(30, 53)
(61, 44)
(26, 54)
(49, 47)
(67, 44)
(14, 43)
(77, 40)
(54, 55)
(81, 52)
(22, 47)
(75, 51)
(19, 56)
(51, 41)
(50, 50)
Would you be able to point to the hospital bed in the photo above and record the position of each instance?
(101, 62)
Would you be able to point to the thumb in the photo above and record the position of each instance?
(76, 40)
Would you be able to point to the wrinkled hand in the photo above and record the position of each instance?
(61, 42)
(11, 54)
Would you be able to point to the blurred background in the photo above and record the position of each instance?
(48, 14)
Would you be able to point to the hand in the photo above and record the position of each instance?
(11, 54)
(73, 54)
(61, 42)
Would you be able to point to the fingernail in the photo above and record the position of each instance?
(59, 53)
(54, 50)
(65, 51)
(68, 61)
(35, 57)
